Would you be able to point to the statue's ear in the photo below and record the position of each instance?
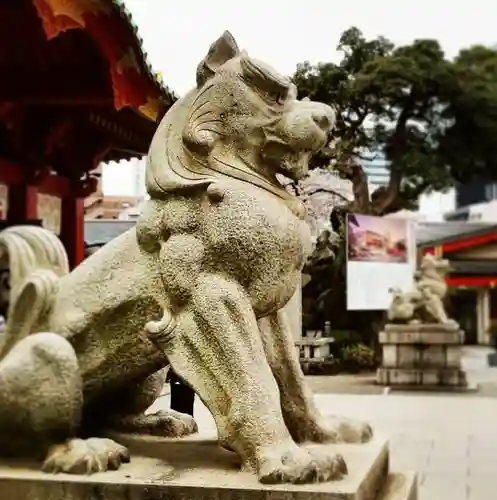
(222, 50)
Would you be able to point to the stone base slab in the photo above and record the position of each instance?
(425, 378)
(400, 487)
(197, 469)
(422, 327)
(421, 337)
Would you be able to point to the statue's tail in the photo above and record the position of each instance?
(36, 260)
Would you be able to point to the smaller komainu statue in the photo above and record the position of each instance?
(424, 303)
(199, 284)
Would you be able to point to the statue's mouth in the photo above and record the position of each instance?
(294, 167)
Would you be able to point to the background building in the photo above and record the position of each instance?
(475, 201)
(377, 172)
(120, 193)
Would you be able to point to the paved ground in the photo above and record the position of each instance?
(450, 440)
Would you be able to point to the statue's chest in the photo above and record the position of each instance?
(250, 225)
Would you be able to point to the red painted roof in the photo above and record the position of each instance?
(109, 24)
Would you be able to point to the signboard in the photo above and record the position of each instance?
(381, 255)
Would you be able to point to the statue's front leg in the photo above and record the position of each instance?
(216, 348)
(301, 414)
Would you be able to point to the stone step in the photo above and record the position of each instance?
(400, 486)
(421, 338)
(196, 468)
(426, 377)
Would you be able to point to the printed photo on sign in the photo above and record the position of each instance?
(377, 239)
(381, 256)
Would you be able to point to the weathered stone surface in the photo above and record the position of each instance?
(197, 469)
(427, 356)
(425, 337)
(200, 283)
(400, 487)
(427, 378)
(422, 328)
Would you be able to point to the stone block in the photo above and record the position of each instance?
(197, 469)
(421, 356)
(390, 355)
(425, 378)
(420, 337)
(422, 327)
(453, 356)
(400, 487)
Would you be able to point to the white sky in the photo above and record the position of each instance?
(176, 35)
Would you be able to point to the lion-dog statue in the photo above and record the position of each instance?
(198, 284)
(424, 303)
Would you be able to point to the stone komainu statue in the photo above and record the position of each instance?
(424, 303)
(198, 284)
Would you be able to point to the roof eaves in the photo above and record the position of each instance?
(154, 76)
(457, 236)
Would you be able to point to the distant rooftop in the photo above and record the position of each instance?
(435, 233)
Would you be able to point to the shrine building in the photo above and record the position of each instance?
(471, 248)
(76, 90)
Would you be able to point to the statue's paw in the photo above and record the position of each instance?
(342, 430)
(164, 423)
(331, 429)
(290, 463)
(85, 456)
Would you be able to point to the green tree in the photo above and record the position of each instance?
(391, 105)
(432, 121)
(469, 144)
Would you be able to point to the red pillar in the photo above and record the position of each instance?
(23, 203)
(72, 230)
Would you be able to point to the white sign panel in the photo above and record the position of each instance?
(381, 255)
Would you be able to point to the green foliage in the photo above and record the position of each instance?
(432, 119)
(469, 144)
(359, 354)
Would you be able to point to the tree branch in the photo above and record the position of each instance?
(353, 171)
(328, 191)
(392, 191)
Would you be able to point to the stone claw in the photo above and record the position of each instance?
(85, 456)
(164, 423)
(294, 464)
(341, 430)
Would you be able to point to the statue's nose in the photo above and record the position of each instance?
(324, 117)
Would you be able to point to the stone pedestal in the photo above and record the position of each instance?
(422, 356)
(197, 469)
